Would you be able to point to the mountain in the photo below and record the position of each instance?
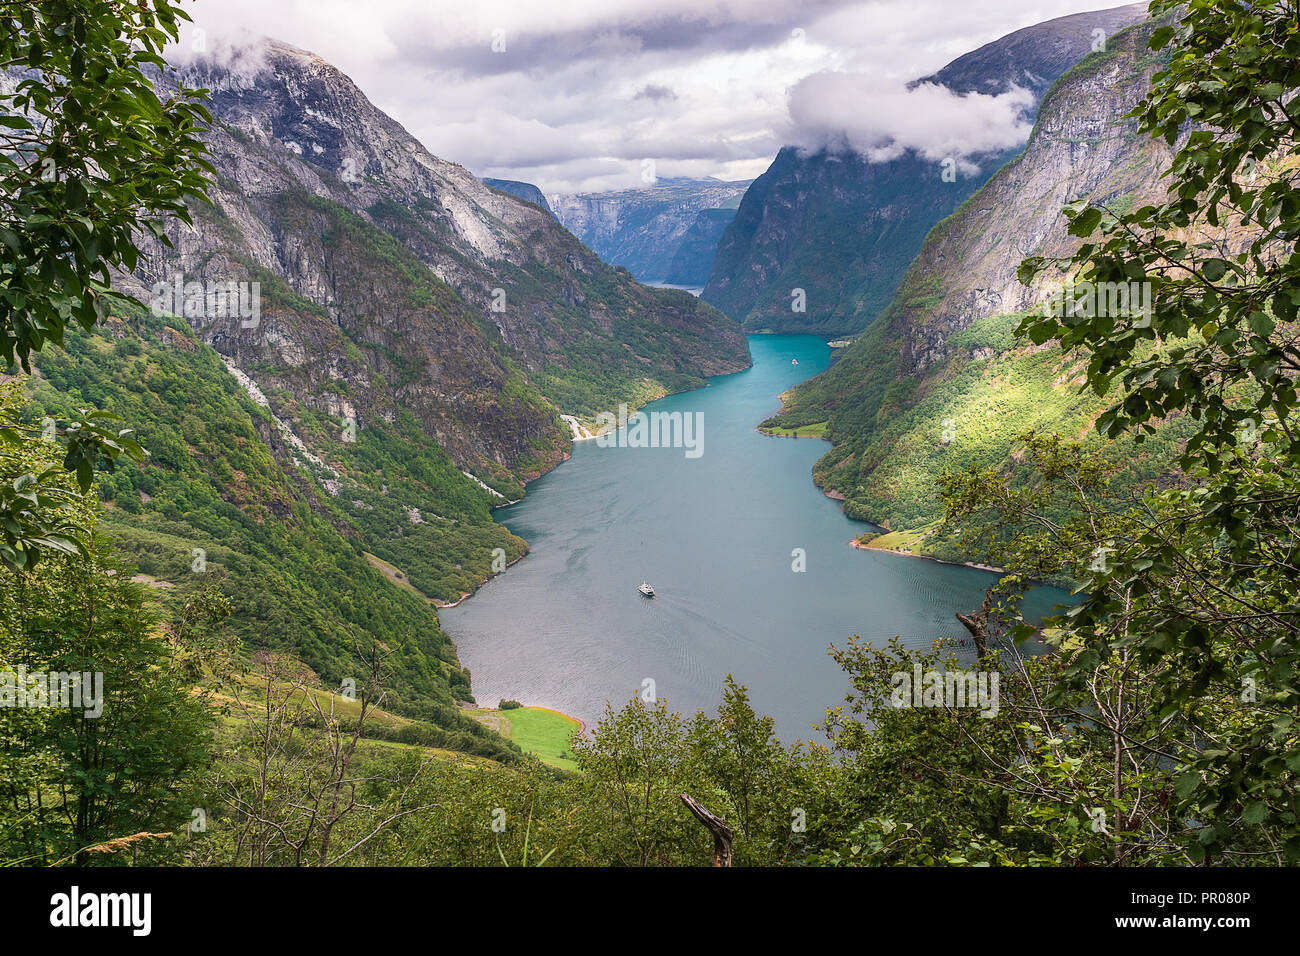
(666, 232)
(843, 229)
(692, 260)
(939, 382)
(225, 500)
(525, 191)
(332, 459)
(449, 289)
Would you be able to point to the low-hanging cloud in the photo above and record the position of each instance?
(238, 52)
(576, 96)
(883, 120)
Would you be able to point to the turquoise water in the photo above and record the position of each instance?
(565, 627)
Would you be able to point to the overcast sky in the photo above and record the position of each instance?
(577, 95)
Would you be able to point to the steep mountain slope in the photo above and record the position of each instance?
(419, 332)
(692, 260)
(331, 459)
(939, 382)
(844, 229)
(660, 233)
(451, 292)
(221, 502)
(525, 191)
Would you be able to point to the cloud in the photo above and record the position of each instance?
(573, 93)
(653, 91)
(882, 120)
(240, 52)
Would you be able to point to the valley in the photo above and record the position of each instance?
(853, 435)
(754, 576)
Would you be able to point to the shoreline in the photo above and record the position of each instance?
(576, 436)
(582, 724)
(853, 542)
(768, 433)
(840, 497)
(545, 746)
(580, 431)
(575, 427)
(466, 595)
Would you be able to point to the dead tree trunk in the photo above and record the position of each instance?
(985, 625)
(722, 834)
(977, 630)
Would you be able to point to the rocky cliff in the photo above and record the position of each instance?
(843, 229)
(692, 260)
(939, 381)
(393, 280)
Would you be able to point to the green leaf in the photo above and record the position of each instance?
(1086, 222)
(85, 474)
(1186, 783)
(1255, 813)
(1261, 324)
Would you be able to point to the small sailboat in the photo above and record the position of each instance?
(646, 589)
(794, 361)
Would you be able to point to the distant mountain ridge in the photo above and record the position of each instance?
(525, 191)
(665, 232)
(843, 229)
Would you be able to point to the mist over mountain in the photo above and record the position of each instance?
(842, 215)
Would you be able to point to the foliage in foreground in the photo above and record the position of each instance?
(1160, 729)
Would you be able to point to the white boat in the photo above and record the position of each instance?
(646, 589)
(794, 361)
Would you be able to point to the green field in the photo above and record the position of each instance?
(815, 430)
(905, 542)
(544, 733)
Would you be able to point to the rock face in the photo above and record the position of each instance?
(943, 350)
(392, 281)
(525, 191)
(843, 229)
(666, 232)
(1082, 146)
(692, 260)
